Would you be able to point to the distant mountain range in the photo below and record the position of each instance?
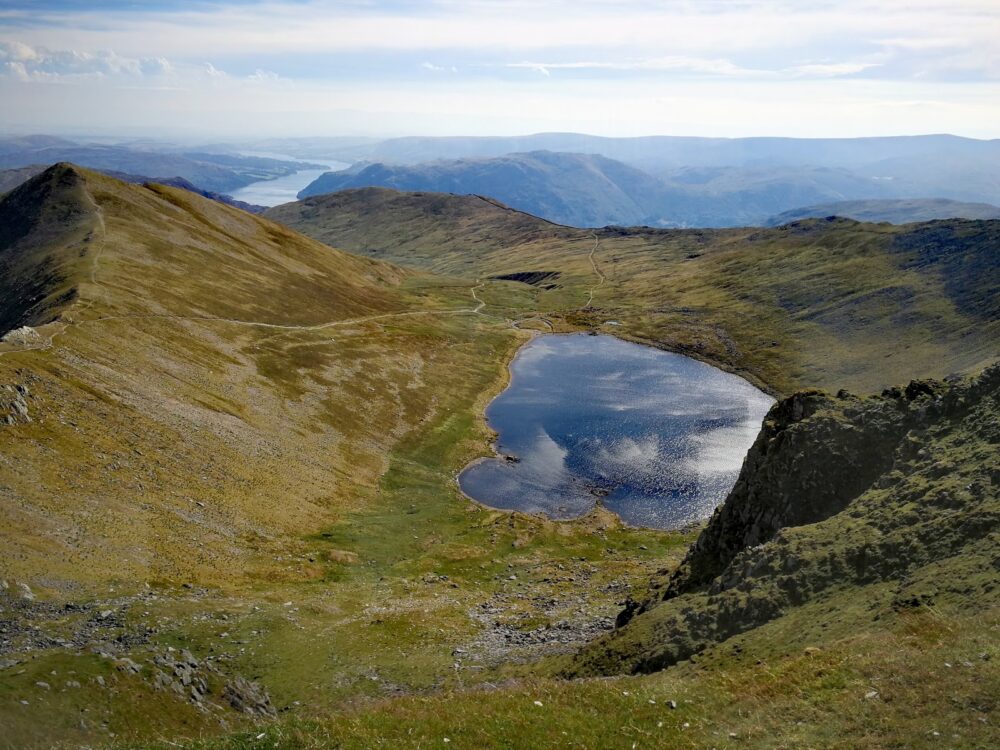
(594, 190)
(651, 153)
(892, 211)
(573, 189)
(215, 172)
(582, 180)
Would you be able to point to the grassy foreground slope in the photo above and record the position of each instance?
(818, 303)
(227, 477)
(227, 484)
(845, 596)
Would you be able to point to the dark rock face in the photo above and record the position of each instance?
(803, 467)
(837, 494)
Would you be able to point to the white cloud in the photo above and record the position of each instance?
(638, 67)
(438, 68)
(212, 72)
(264, 75)
(42, 64)
(16, 51)
(830, 70)
(713, 66)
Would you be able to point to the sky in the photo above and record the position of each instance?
(500, 67)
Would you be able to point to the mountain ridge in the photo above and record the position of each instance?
(588, 190)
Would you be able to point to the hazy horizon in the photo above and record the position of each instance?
(303, 68)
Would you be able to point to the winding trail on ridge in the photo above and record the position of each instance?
(590, 292)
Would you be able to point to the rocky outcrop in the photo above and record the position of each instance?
(14, 404)
(838, 493)
(23, 336)
(194, 681)
(814, 454)
(248, 697)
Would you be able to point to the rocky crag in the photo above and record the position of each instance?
(874, 505)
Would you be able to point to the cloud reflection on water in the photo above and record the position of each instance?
(658, 436)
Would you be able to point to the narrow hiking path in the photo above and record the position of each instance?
(593, 264)
(601, 279)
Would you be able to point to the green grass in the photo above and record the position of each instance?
(870, 689)
(821, 304)
(288, 496)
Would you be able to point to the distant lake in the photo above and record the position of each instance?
(284, 189)
(656, 437)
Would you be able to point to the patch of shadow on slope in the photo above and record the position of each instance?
(542, 279)
(47, 228)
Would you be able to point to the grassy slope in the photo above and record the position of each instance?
(301, 481)
(189, 471)
(924, 680)
(812, 304)
(867, 621)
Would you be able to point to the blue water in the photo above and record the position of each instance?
(656, 437)
(283, 189)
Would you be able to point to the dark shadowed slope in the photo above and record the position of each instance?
(47, 232)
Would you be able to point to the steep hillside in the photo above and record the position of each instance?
(47, 231)
(433, 231)
(892, 211)
(576, 189)
(809, 304)
(144, 305)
